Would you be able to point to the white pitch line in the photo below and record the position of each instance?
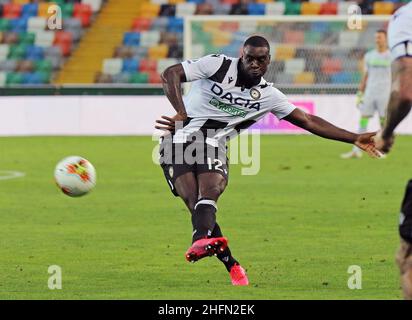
(7, 175)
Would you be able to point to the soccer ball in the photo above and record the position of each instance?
(75, 176)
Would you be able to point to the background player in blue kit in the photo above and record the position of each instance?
(227, 95)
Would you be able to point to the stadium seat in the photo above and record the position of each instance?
(14, 78)
(130, 65)
(103, 78)
(8, 65)
(4, 24)
(256, 8)
(169, 38)
(83, 12)
(284, 52)
(4, 51)
(275, 8)
(160, 2)
(294, 37)
(310, 8)
(18, 25)
(139, 52)
(383, 7)
(284, 78)
(12, 10)
(43, 66)
(147, 65)
(131, 39)
(112, 66)
(304, 78)
(63, 37)
(34, 52)
(341, 78)
(95, 5)
(221, 39)
(176, 1)
(185, 9)
(329, 8)
(149, 38)
(230, 26)
(25, 66)
(175, 25)
(154, 77)
(141, 24)
(292, 8)
(162, 64)
(26, 38)
(158, 52)
(67, 10)
(44, 38)
(160, 24)
(17, 51)
(35, 24)
(204, 9)
(343, 7)
(29, 10)
(139, 77)
(331, 66)
(230, 2)
(167, 10)
(295, 66)
(123, 77)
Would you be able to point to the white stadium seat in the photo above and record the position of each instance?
(95, 4)
(112, 66)
(294, 66)
(149, 38)
(4, 51)
(35, 24)
(185, 9)
(44, 38)
(275, 8)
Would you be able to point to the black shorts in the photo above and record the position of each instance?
(177, 159)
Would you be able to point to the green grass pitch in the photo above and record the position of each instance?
(296, 226)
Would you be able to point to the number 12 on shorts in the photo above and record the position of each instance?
(215, 165)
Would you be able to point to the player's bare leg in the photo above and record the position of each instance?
(187, 188)
(211, 186)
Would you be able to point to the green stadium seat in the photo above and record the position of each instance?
(292, 8)
(139, 77)
(43, 66)
(17, 51)
(27, 38)
(4, 24)
(14, 78)
(67, 10)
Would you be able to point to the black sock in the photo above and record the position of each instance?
(405, 225)
(226, 256)
(203, 218)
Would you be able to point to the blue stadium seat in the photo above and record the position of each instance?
(18, 25)
(256, 8)
(342, 78)
(34, 53)
(320, 26)
(196, 1)
(131, 38)
(130, 65)
(175, 25)
(30, 10)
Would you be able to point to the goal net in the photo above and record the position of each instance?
(310, 54)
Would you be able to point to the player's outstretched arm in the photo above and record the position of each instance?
(172, 79)
(325, 129)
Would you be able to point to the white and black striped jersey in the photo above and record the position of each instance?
(217, 101)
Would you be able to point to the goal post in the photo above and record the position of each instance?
(314, 54)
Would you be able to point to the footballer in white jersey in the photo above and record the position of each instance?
(400, 44)
(227, 95)
(374, 88)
